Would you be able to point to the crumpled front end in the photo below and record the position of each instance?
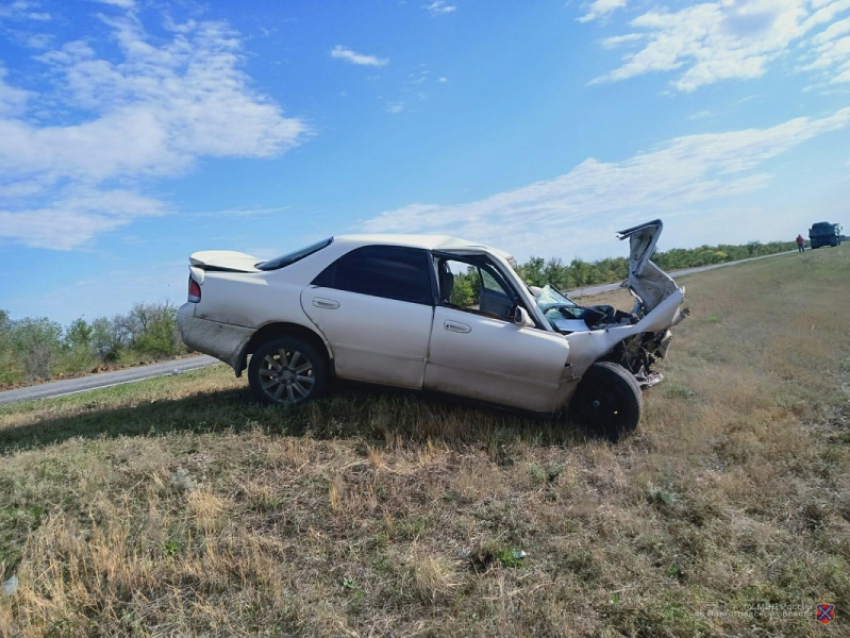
(657, 297)
(636, 339)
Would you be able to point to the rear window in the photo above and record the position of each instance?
(291, 258)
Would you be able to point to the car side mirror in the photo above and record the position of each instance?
(521, 317)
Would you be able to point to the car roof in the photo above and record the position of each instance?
(425, 242)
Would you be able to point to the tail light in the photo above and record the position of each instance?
(194, 291)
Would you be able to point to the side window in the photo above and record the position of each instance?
(474, 288)
(489, 282)
(382, 271)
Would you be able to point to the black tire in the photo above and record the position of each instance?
(287, 371)
(608, 401)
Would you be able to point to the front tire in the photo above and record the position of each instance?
(608, 401)
(287, 371)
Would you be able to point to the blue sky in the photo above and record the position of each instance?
(135, 132)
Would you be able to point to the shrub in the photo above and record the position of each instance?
(38, 345)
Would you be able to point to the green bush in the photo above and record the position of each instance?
(37, 344)
(38, 349)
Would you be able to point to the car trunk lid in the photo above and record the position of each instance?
(226, 260)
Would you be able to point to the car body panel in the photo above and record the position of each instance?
(646, 280)
(224, 341)
(495, 360)
(243, 303)
(364, 348)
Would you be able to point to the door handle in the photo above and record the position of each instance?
(456, 326)
(326, 303)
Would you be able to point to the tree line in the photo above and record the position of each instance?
(33, 350)
(580, 274)
(37, 349)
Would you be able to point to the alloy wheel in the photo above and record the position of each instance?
(287, 376)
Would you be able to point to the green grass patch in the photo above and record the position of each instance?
(178, 506)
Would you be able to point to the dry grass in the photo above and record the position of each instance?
(178, 507)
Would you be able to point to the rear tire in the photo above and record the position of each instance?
(287, 371)
(608, 401)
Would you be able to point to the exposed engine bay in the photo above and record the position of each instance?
(566, 316)
(656, 310)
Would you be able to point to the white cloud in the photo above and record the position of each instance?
(601, 9)
(719, 40)
(568, 211)
(153, 113)
(831, 49)
(12, 101)
(395, 107)
(439, 7)
(23, 10)
(38, 40)
(342, 53)
(619, 40)
(700, 115)
(74, 216)
(124, 4)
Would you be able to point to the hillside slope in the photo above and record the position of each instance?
(178, 507)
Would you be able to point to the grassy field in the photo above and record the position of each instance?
(177, 507)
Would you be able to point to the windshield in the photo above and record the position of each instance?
(291, 258)
(549, 297)
(562, 314)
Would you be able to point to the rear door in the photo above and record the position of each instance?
(375, 307)
(478, 351)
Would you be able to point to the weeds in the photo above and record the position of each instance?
(377, 512)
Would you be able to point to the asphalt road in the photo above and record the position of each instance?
(130, 375)
(105, 379)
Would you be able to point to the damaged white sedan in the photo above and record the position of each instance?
(384, 309)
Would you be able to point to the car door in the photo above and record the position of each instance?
(375, 306)
(485, 355)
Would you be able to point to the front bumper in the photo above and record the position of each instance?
(224, 341)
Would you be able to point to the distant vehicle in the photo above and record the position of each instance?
(825, 234)
(380, 309)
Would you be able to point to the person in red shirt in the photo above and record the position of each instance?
(801, 243)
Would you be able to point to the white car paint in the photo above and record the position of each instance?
(412, 345)
(363, 346)
(496, 361)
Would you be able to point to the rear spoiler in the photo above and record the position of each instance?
(224, 260)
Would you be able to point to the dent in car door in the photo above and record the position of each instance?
(494, 360)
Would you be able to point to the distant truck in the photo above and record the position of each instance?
(825, 234)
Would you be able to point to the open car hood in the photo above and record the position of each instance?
(647, 282)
